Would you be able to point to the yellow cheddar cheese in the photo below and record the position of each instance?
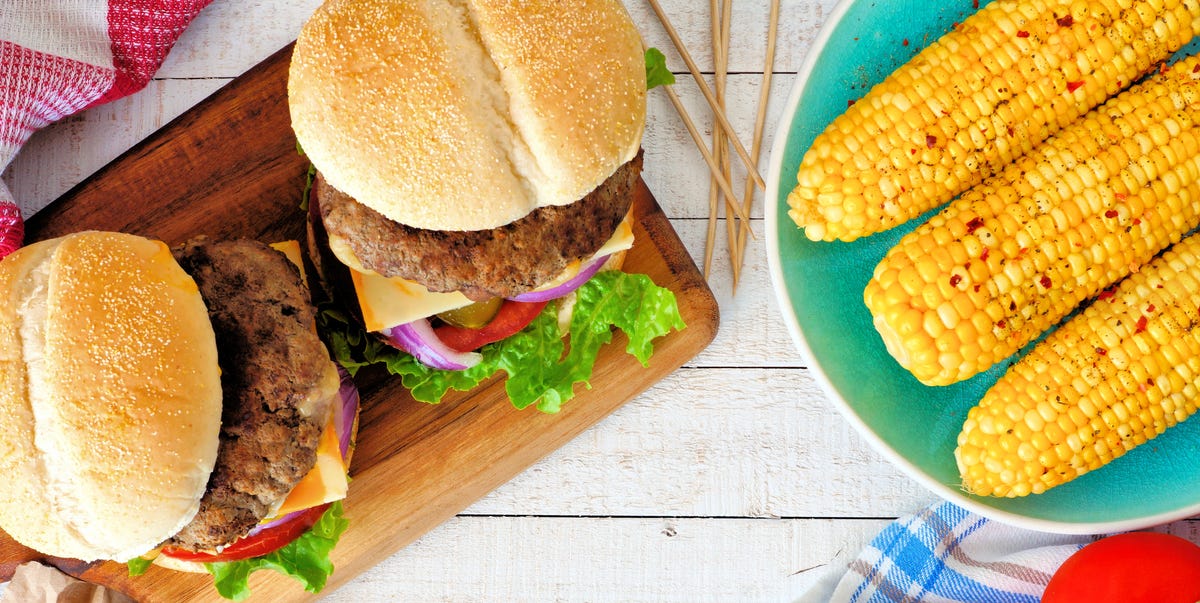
(326, 482)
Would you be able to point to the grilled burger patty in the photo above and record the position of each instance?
(482, 264)
(277, 383)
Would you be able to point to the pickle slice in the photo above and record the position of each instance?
(474, 316)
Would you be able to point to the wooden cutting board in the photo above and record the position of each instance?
(229, 168)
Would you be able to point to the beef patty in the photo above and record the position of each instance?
(277, 381)
(482, 264)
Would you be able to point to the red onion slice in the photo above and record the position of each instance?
(275, 522)
(574, 283)
(417, 338)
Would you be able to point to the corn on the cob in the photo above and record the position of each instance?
(1014, 255)
(1116, 375)
(1004, 80)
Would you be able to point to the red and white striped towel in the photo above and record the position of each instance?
(58, 57)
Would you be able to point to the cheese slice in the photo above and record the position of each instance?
(327, 480)
(388, 302)
(291, 249)
(621, 239)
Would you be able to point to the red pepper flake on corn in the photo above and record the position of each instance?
(1109, 379)
(987, 95)
(1057, 227)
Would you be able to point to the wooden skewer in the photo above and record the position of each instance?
(751, 167)
(719, 150)
(759, 122)
(713, 202)
(713, 191)
(714, 196)
(721, 31)
(722, 181)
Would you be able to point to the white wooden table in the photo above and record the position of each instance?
(731, 480)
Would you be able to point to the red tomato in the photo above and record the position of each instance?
(512, 317)
(1129, 568)
(267, 541)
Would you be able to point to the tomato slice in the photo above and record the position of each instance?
(511, 318)
(267, 541)
(1135, 567)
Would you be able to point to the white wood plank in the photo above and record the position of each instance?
(752, 333)
(715, 442)
(230, 36)
(471, 559)
(63, 154)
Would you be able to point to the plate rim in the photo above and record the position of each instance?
(784, 131)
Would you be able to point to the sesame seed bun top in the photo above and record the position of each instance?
(110, 396)
(467, 115)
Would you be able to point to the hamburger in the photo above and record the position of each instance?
(170, 406)
(474, 173)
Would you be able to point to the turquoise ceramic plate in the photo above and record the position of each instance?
(819, 287)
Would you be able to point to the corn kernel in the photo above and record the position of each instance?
(1082, 410)
(952, 92)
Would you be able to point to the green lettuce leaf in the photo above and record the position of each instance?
(138, 565)
(309, 176)
(306, 559)
(629, 302)
(542, 368)
(350, 345)
(657, 73)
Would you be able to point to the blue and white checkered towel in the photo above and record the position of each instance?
(944, 554)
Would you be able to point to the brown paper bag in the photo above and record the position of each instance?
(36, 583)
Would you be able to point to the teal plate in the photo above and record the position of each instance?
(819, 287)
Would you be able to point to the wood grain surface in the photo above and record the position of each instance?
(229, 168)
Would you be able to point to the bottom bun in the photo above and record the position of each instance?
(179, 565)
(615, 261)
